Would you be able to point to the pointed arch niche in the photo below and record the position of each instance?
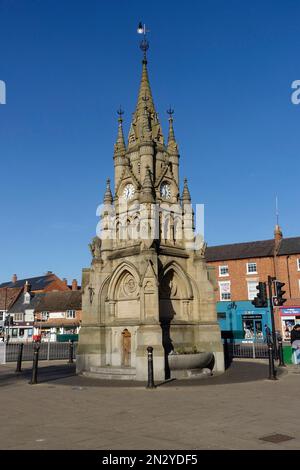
(124, 291)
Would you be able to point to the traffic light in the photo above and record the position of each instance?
(278, 300)
(261, 299)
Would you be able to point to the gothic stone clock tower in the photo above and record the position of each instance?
(148, 283)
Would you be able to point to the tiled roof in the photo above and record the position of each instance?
(59, 301)
(19, 306)
(257, 249)
(290, 246)
(8, 297)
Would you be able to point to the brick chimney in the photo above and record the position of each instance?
(14, 279)
(74, 284)
(65, 281)
(277, 233)
(278, 237)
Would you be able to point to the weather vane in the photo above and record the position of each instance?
(144, 44)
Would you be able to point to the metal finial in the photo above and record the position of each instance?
(120, 113)
(170, 111)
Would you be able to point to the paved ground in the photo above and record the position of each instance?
(232, 411)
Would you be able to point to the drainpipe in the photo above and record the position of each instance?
(288, 273)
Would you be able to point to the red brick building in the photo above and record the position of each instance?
(240, 266)
(21, 311)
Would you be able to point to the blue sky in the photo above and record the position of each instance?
(225, 66)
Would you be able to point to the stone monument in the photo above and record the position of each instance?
(148, 283)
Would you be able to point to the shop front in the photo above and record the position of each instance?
(289, 317)
(245, 322)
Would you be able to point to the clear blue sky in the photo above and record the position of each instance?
(225, 66)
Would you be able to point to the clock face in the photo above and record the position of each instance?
(128, 191)
(165, 191)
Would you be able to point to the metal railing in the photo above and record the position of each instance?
(48, 351)
(251, 350)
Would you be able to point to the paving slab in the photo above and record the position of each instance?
(232, 411)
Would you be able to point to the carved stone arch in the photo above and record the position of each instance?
(178, 227)
(124, 269)
(185, 283)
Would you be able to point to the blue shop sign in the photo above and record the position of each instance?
(290, 311)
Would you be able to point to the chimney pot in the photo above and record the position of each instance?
(27, 287)
(74, 284)
(14, 278)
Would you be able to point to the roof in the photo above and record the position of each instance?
(37, 283)
(59, 301)
(289, 246)
(8, 297)
(20, 307)
(257, 249)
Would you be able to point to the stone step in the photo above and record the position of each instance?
(111, 373)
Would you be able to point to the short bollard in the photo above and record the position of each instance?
(272, 371)
(19, 361)
(71, 348)
(150, 383)
(280, 352)
(35, 364)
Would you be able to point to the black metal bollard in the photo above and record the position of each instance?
(71, 348)
(272, 371)
(150, 383)
(35, 364)
(280, 352)
(19, 361)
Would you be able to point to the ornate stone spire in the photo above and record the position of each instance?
(108, 199)
(186, 197)
(144, 91)
(120, 147)
(172, 144)
(147, 187)
(136, 132)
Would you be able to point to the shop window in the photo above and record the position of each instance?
(252, 329)
(21, 332)
(14, 332)
(29, 332)
(223, 270)
(251, 268)
(1, 316)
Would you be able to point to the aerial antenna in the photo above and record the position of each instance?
(277, 211)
